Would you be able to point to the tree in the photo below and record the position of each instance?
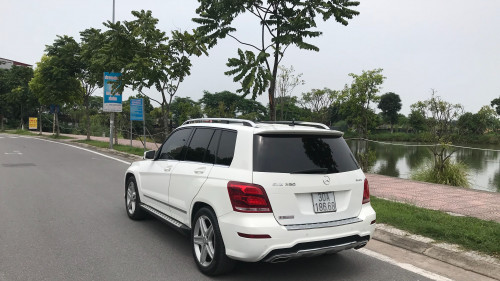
(319, 103)
(439, 116)
(16, 100)
(496, 104)
(282, 23)
(286, 83)
(417, 121)
(293, 110)
(357, 98)
(230, 105)
(54, 84)
(467, 123)
(390, 104)
(80, 61)
(184, 109)
(154, 59)
(90, 72)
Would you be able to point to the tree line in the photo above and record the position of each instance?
(71, 70)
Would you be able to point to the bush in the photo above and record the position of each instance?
(366, 159)
(453, 173)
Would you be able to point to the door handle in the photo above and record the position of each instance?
(200, 170)
(167, 169)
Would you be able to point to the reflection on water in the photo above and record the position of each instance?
(401, 160)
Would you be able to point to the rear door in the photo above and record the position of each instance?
(189, 175)
(308, 178)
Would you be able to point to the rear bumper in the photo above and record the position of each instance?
(311, 249)
(286, 244)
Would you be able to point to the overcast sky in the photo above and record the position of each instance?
(452, 46)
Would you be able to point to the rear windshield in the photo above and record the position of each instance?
(302, 154)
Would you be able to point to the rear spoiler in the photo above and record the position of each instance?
(333, 133)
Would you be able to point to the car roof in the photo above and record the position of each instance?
(281, 127)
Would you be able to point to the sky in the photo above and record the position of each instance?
(452, 46)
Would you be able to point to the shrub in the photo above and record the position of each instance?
(453, 173)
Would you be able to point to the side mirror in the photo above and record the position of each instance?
(150, 154)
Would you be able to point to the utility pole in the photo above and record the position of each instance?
(112, 117)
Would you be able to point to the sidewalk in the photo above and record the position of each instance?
(135, 143)
(454, 200)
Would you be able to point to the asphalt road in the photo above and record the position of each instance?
(62, 217)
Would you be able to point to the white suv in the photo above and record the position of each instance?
(254, 191)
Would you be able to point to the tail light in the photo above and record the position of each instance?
(366, 193)
(248, 198)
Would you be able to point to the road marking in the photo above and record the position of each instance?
(88, 150)
(406, 266)
(13, 137)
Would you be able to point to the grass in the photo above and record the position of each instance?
(60, 137)
(21, 132)
(36, 133)
(469, 233)
(118, 147)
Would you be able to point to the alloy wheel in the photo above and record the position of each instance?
(131, 198)
(204, 241)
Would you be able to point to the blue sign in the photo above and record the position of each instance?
(112, 92)
(136, 110)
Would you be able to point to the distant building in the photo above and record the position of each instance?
(7, 64)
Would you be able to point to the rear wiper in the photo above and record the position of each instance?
(311, 171)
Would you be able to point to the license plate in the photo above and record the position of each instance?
(324, 202)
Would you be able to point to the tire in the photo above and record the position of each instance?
(132, 200)
(209, 252)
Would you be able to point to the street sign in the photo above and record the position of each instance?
(33, 123)
(136, 110)
(112, 92)
(54, 108)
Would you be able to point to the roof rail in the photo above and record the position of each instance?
(221, 120)
(300, 123)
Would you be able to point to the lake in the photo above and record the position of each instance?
(400, 159)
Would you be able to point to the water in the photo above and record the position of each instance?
(401, 159)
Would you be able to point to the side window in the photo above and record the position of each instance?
(225, 153)
(199, 144)
(172, 148)
(212, 148)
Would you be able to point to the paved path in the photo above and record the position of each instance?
(135, 143)
(468, 202)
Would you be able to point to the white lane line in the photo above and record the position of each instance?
(77, 147)
(406, 266)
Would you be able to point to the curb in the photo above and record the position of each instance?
(127, 156)
(448, 253)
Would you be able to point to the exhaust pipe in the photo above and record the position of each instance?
(280, 259)
(360, 246)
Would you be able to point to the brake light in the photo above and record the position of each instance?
(248, 198)
(366, 193)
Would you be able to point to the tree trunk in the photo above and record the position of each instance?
(392, 128)
(57, 125)
(22, 123)
(87, 115)
(54, 123)
(1, 120)
(40, 120)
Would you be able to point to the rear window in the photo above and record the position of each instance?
(302, 154)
